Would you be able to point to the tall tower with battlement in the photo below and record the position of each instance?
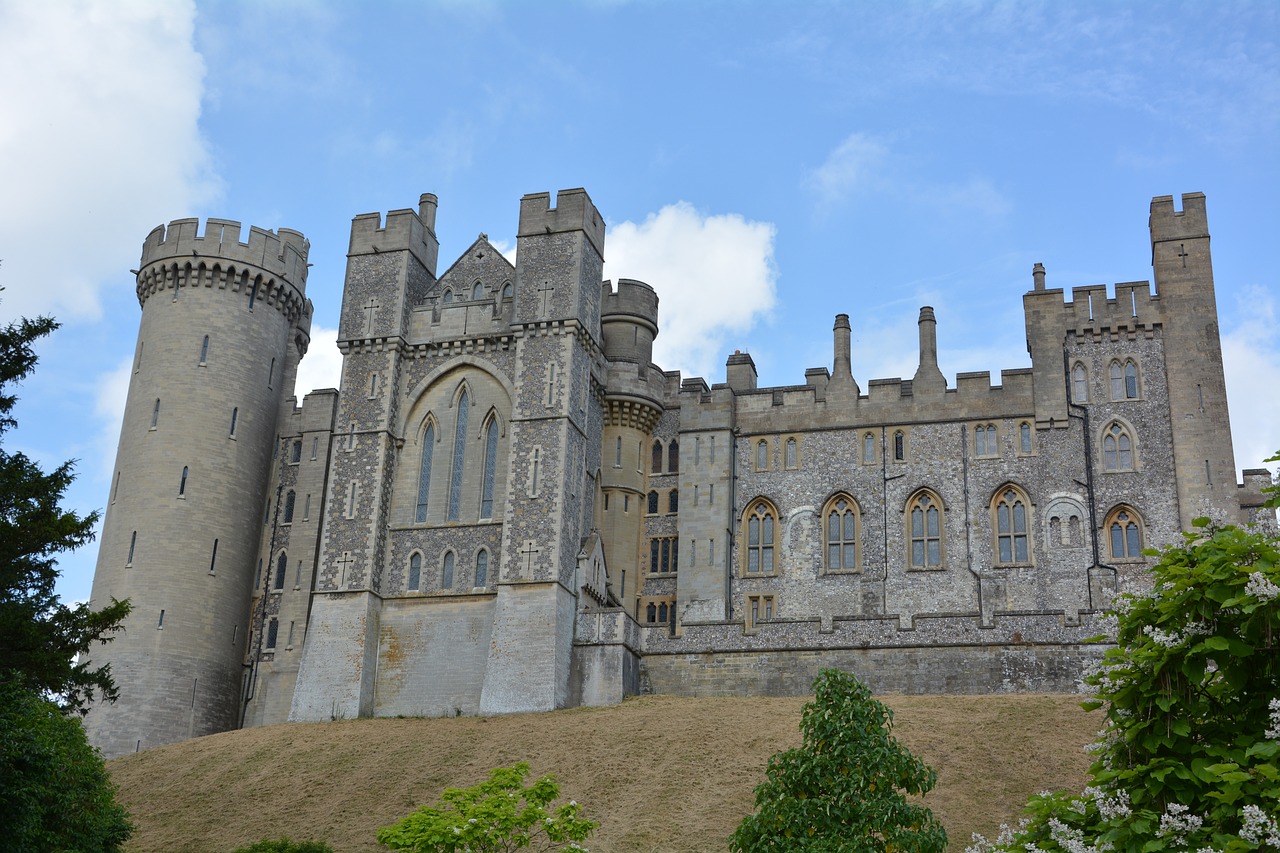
(1202, 448)
(224, 325)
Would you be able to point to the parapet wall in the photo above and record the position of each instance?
(282, 253)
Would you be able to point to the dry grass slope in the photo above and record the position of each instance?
(660, 773)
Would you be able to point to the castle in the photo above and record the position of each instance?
(508, 507)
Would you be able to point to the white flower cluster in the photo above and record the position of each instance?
(1260, 587)
(1171, 640)
(1163, 638)
(1072, 840)
(1273, 733)
(1110, 806)
(1176, 822)
(1004, 841)
(1258, 827)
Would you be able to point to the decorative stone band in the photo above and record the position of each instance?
(272, 291)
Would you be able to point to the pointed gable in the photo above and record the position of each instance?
(480, 264)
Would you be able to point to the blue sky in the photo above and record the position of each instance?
(763, 165)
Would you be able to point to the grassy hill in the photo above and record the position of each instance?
(660, 773)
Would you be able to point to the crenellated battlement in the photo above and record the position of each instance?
(574, 211)
(632, 301)
(282, 253)
(403, 230)
(1129, 305)
(273, 265)
(1169, 224)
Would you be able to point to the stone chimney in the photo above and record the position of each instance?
(928, 378)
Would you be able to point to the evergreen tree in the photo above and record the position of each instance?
(844, 790)
(40, 636)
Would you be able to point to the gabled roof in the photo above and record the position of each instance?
(480, 262)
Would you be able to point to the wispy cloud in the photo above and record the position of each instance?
(864, 165)
(853, 165)
(714, 275)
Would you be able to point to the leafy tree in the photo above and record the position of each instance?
(1187, 759)
(498, 815)
(57, 796)
(39, 636)
(845, 788)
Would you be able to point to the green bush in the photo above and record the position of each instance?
(498, 815)
(844, 790)
(55, 794)
(1188, 757)
(284, 845)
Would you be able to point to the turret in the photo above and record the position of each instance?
(223, 325)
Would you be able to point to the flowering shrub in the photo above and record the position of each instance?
(1187, 758)
(493, 817)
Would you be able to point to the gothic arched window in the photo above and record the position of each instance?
(482, 568)
(652, 507)
(673, 457)
(446, 572)
(984, 440)
(477, 291)
(842, 534)
(490, 468)
(868, 448)
(459, 457)
(761, 521)
(282, 568)
(424, 472)
(924, 531)
(1124, 531)
(1079, 384)
(1124, 380)
(290, 500)
(656, 467)
(1010, 508)
(673, 501)
(415, 571)
(762, 455)
(1117, 448)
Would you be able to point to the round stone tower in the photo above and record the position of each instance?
(224, 324)
(633, 404)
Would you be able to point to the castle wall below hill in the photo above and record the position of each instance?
(1015, 653)
(978, 669)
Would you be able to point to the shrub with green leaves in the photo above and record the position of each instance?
(846, 787)
(1187, 759)
(500, 814)
(55, 794)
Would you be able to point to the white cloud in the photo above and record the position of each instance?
(1251, 361)
(99, 142)
(321, 367)
(714, 276)
(853, 165)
